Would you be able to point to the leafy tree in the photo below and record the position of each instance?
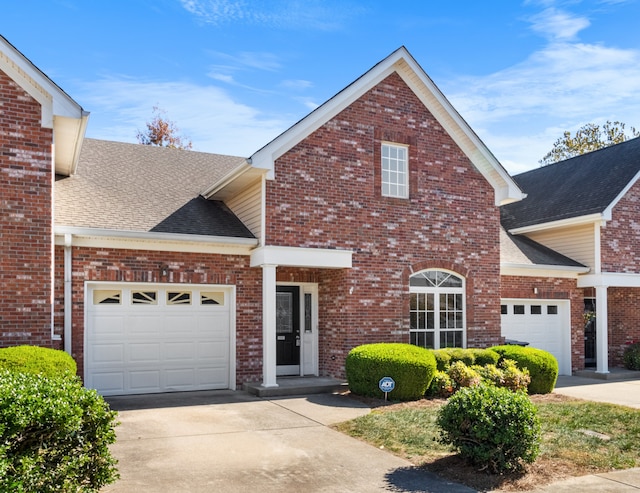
(589, 137)
(163, 132)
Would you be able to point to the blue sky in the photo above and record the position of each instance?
(233, 74)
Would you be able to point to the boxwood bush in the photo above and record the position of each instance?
(492, 427)
(631, 356)
(35, 359)
(54, 435)
(411, 367)
(470, 356)
(542, 366)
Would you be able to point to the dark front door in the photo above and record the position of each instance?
(589, 332)
(288, 329)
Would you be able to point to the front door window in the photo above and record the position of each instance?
(288, 327)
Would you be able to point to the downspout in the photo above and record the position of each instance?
(67, 292)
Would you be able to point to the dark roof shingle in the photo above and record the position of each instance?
(583, 185)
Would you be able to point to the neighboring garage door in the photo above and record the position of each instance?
(146, 338)
(544, 324)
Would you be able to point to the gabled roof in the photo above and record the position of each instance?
(524, 252)
(134, 187)
(59, 112)
(401, 62)
(581, 186)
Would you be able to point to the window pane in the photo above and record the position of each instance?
(518, 309)
(504, 310)
(552, 310)
(144, 298)
(536, 310)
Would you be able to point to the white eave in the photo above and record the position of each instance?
(401, 62)
(563, 223)
(59, 112)
(538, 270)
(141, 240)
(234, 182)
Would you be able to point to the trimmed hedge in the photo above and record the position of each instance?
(542, 366)
(411, 367)
(471, 356)
(492, 427)
(54, 435)
(38, 360)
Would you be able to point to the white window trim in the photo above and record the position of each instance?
(383, 182)
(436, 291)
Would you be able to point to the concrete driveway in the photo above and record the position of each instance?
(225, 441)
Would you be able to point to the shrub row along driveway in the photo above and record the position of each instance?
(233, 442)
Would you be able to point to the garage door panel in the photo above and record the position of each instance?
(142, 381)
(134, 347)
(107, 353)
(144, 353)
(543, 324)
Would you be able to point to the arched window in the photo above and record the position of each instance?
(437, 318)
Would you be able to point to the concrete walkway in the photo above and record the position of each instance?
(234, 442)
(223, 441)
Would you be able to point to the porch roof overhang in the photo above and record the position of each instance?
(319, 258)
(534, 270)
(609, 279)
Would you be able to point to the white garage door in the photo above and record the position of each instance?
(145, 338)
(544, 324)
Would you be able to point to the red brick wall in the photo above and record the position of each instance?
(91, 264)
(623, 321)
(621, 236)
(26, 177)
(554, 289)
(326, 194)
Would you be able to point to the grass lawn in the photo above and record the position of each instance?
(578, 438)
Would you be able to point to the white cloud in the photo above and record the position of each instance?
(206, 114)
(560, 87)
(286, 14)
(558, 25)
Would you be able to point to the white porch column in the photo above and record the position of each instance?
(602, 331)
(269, 325)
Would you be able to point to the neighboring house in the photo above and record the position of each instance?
(374, 218)
(588, 208)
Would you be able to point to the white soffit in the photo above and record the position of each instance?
(59, 112)
(321, 258)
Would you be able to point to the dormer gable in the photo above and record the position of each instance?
(402, 63)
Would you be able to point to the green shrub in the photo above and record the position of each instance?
(463, 375)
(631, 356)
(411, 367)
(54, 435)
(443, 358)
(514, 378)
(542, 366)
(491, 427)
(483, 357)
(441, 385)
(35, 359)
(459, 354)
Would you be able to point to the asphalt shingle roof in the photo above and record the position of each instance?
(520, 250)
(134, 187)
(583, 185)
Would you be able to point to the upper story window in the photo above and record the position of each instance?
(395, 171)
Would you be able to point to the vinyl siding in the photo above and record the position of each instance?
(576, 242)
(246, 205)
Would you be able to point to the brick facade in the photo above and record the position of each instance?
(26, 204)
(621, 236)
(326, 194)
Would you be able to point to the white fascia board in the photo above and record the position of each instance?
(135, 240)
(225, 180)
(607, 214)
(609, 279)
(506, 189)
(559, 271)
(266, 157)
(321, 258)
(596, 218)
